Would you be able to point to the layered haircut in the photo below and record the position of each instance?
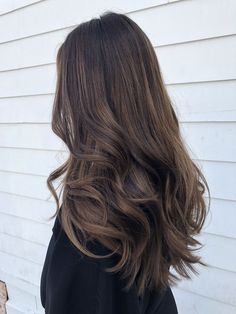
(129, 182)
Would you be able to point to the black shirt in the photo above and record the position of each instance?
(72, 283)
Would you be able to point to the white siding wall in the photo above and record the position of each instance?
(195, 41)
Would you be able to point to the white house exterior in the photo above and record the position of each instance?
(195, 41)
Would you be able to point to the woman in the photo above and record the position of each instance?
(132, 197)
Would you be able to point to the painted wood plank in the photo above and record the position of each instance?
(201, 61)
(221, 178)
(161, 16)
(31, 81)
(25, 185)
(221, 211)
(40, 211)
(23, 269)
(25, 229)
(55, 14)
(39, 162)
(205, 101)
(213, 244)
(7, 6)
(210, 140)
(27, 208)
(24, 249)
(26, 135)
(204, 140)
(27, 109)
(166, 25)
(207, 60)
(13, 309)
(216, 174)
(19, 283)
(23, 53)
(213, 283)
(22, 299)
(188, 302)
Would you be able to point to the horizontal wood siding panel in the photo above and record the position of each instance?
(213, 283)
(39, 162)
(11, 308)
(206, 60)
(20, 283)
(206, 101)
(7, 6)
(40, 211)
(33, 209)
(24, 52)
(22, 299)
(24, 249)
(210, 251)
(221, 210)
(201, 61)
(210, 141)
(216, 173)
(29, 81)
(205, 141)
(26, 135)
(29, 109)
(196, 304)
(187, 21)
(221, 178)
(166, 18)
(25, 185)
(31, 231)
(54, 14)
(23, 269)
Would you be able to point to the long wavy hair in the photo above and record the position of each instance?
(129, 182)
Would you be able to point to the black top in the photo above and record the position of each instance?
(72, 283)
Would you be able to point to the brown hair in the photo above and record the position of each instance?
(129, 182)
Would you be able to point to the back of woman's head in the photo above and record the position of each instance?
(129, 181)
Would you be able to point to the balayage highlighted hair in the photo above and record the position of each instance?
(129, 182)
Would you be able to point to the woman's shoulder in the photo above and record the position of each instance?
(71, 271)
(64, 243)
